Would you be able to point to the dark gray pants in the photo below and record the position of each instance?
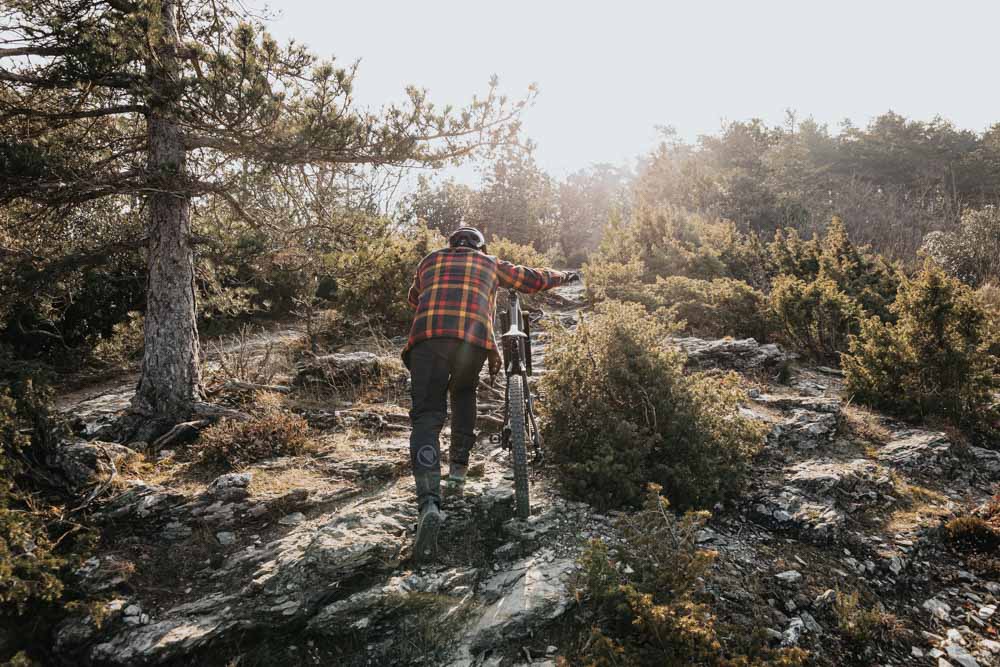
(439, 367)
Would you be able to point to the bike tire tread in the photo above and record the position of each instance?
(518, 444)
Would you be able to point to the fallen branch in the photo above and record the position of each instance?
(490, 419)
(483, 384)
(251, 386)
(213, 412)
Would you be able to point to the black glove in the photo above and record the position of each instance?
(572, 277)
(496, 362)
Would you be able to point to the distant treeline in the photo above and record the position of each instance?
(891, 182)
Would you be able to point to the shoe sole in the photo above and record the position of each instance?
(427, 532)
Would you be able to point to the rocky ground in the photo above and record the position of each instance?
(306, 560)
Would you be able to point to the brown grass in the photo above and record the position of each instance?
(270, 432)
(863, 625)
(913, 494)
(279, 482)
(972, 533)
(910, 518)
(866, 425)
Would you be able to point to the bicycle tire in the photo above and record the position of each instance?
(518, 445)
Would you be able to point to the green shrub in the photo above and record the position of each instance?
(669, 241)
(270, 432)
(814, 317)
(933, 361)
(791, 255)
(608, 279)
(51, 310)
(123, 346)
(673, 242)
(713, 308)
(745, 256)
(860, 274)
(516, 253)
(643, 597)
(865, 277)
(621, 413)
(373, 280)
(38, 547)
(29, 570)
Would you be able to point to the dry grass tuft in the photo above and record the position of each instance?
(270, 432)
(866, 425)
(862, 625)
(972, 533)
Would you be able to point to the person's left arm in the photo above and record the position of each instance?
(413, 296)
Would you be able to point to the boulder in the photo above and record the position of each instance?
(938, 609)
(789, 577)
(825, 405)
(789, 510)
(371, 468)
(737, 354)
(141, 502)
(344, 369)
(913, 450)
(793, 633)
(365, 608)
(83, 464)
(806, 429)
(285, 582)
(181, 434)
(528, 594)
(102, 573)
(231, 486)
(858, 480)
(987, 462)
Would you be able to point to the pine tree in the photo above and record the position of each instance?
(162, 101)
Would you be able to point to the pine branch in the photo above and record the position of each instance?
(119, 81)
(34, 51)
(72, 115)
(71, 191)
(79, 260)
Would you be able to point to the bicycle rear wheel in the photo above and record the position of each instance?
(518, 443)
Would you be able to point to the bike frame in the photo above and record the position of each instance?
(516, 343)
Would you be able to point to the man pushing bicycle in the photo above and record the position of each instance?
(454, 294)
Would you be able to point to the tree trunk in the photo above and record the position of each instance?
(171, 379)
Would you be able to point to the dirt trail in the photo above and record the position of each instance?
(112, 395)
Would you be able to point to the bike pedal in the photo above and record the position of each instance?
(495, 439)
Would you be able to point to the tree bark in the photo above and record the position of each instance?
(171, 380)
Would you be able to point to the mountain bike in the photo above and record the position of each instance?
(519, 425)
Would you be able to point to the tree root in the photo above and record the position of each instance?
(181, 434)
(137, 429)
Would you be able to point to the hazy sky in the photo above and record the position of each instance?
(609, 72)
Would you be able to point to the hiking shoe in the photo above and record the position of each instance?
(425, 545)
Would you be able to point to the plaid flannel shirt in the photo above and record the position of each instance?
(454, 293)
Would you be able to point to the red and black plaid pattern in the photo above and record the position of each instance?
(454, 292)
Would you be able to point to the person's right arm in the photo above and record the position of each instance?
(529, 280)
